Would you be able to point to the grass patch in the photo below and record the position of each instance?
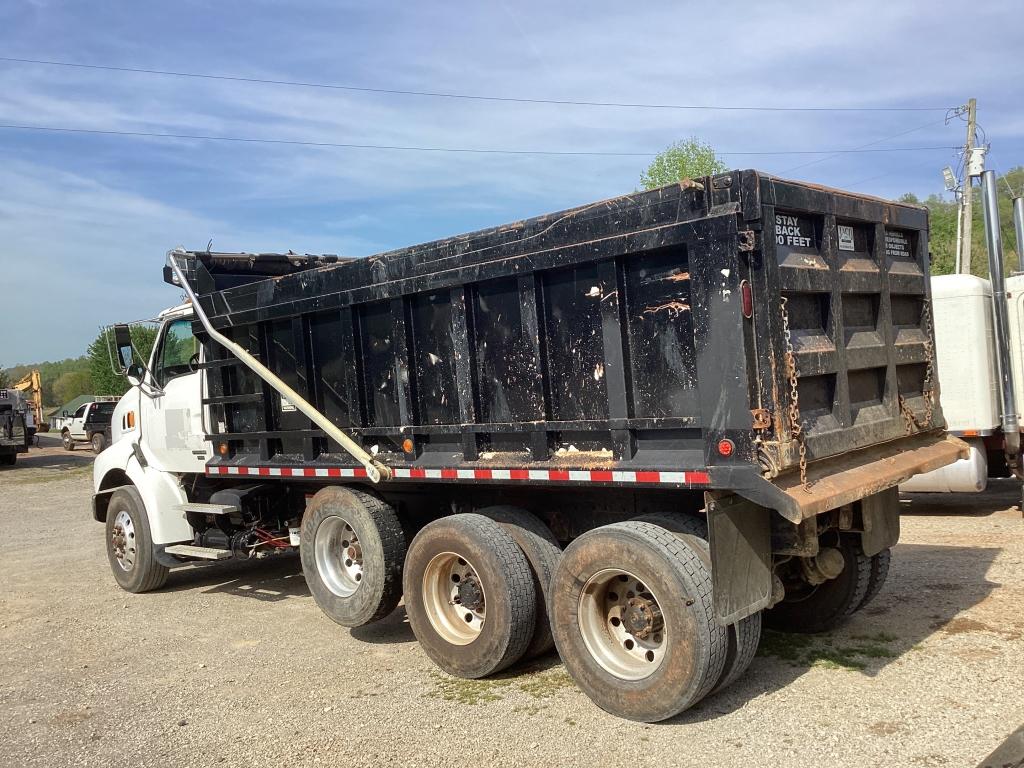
(538, 686)
(546, 685)
(467, 691)
(823, 650)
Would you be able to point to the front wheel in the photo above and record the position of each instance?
(634, 623)
(67, 441)
(130, 544)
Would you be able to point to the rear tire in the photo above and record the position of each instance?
(673, 652)
(877, 576)
(469, 595)
(99, 442)
(130, 544)
(352, 549)
(827, 605)
(8, 459)
(543, 552)
(744, 635)
(67, 441)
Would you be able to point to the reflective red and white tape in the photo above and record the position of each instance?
(528, 475)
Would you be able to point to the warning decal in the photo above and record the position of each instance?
(793, 231)
(898, 246)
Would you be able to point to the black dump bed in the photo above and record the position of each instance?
(632, 336)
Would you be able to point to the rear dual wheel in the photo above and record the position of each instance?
(744, 635)
(812, 608)
(469, 595)
(542, 552)
(633, 620)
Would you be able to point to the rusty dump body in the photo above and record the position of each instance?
(643, 340)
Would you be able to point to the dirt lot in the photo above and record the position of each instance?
(234, 665)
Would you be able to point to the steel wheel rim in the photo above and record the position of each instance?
(622, 626)
(123, 541)
(454, 598)
(339, 556)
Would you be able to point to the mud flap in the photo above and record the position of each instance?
(881, 512)
(741, 560)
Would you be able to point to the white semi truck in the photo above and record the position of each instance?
(706, 394)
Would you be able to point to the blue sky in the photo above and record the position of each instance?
(85, 220)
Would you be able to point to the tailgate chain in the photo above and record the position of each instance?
(927, 391)
(793, 410)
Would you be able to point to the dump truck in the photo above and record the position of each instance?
(15, 417)
(632, 432)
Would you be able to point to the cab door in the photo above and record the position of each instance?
(172, 428)
(77, 426)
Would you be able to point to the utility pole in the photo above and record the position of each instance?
(964, 244)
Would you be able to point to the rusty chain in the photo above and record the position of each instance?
(927, 387)
(796, 429)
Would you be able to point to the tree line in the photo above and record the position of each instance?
(89, 374)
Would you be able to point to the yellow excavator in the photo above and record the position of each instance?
(32, 386)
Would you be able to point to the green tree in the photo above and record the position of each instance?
(101, 353)
(686, 159)
(5, 380)
(70, 385)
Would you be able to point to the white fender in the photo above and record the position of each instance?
(160, 491)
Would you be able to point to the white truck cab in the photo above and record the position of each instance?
(157, 436)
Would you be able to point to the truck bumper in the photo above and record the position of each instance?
(856, 475)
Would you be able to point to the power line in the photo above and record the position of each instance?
(929, 124)
(409, 148)
(464, 96)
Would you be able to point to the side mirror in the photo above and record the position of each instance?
(134, 373)
(64, 414)
(123, 342)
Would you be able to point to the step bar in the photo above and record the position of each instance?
(200, 553)
(207, 509)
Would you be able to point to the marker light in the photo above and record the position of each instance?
(747, 297)
(726, 447)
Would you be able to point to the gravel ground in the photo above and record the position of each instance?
(233, 664)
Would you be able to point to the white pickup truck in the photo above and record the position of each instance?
(89, 424)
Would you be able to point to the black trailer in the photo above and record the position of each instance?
(720, 377)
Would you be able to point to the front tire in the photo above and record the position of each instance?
(352, 548)
(130, 544)
(470, 596)
(634, 623)
(67, 441)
